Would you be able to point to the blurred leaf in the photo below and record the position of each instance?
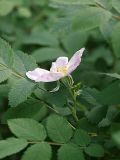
(58, 129)
(62, 3)
(86, 125)
(40, 151)
(113, 75)
(101, 52)
(7, 6)
(116, 5)
(107, 28)
(71, 152)
(116, 39)
(43, 38)
(81, 137)
(24, 12)
(90, 17)
(111, 114)
(105, 122)
(27, 128)
(74, 41)
(11, 146)
(105, 4)
(117, 66)
(47, 54)
(4, 27)
(95, 150)
(115, 133)
(89, 94)
(35, 2)
(110, 95)
(97, 114)
(4, 89)
(20, 91)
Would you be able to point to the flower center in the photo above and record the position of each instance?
(62, 70)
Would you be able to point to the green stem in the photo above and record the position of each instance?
(74, 113)
(51, 143)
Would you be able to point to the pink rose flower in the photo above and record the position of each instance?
(59, 69)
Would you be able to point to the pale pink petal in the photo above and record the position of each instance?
(61, 61)
(33, 75)
(42, 75)
(53, 67)
(75, 60)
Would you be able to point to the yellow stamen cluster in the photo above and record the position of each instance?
(62, 70)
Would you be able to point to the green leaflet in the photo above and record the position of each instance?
(27, 128)
(20, 91)
(71, 152)
(12, 63)
(81, 137)
(95, 150)
(23, 63)
(28, 61)
(11, 146)
(59, 130)
(40, 151)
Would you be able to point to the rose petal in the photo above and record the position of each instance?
(42, 75)
(53, 67)
(33, 75)
(75, 60)
(61, 61)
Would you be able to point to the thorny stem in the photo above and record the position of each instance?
(74, 108)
